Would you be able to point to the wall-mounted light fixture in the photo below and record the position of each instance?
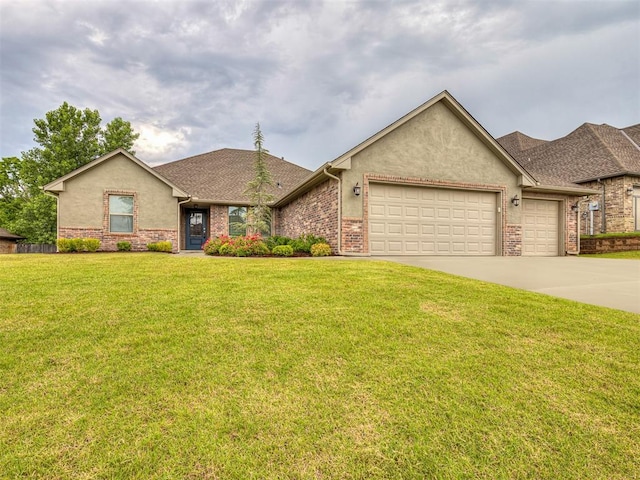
(575, 207)
(515, 200)
(630, 190)
(356, 190)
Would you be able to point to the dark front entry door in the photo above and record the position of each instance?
(196, 229)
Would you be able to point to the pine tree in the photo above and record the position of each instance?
(259, 214)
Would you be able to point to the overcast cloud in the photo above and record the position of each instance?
(320, 77)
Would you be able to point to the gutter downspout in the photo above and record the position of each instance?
(339, 207)
(179, 221)
(57, 214)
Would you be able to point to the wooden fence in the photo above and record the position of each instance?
(36, 248)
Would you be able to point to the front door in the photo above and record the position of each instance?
(196, 229)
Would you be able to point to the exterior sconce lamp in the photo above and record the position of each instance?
(356, 190)
(630, 190)
(515, 200)
(575, 207)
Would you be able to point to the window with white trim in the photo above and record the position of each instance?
(121, 213)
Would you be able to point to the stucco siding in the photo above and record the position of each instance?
(81, 203)
(434, 145)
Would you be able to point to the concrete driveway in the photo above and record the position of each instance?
(606, 282)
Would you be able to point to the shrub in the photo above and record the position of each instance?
(64, 245)
(124, 246)
(91, 244)
(282, 250)
(77, 244)
(243, 246)
(212, 245)
(304, 242)
(160, 247)
(277, 240)
(320, 250)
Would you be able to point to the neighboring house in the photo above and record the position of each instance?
(8, 241)
(432, 183)
(600, 157)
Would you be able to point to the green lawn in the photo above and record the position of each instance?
(165, 366)
(630, 255)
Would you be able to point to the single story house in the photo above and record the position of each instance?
(9, 241)
(600, 157)
(434, 182)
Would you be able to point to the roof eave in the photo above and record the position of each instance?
(603, 177)
(561, 189)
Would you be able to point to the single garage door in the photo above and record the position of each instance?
(406, 220)
(540, 227)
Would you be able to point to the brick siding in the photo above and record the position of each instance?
(353, 236)
(314, 212)
(218, 220)
(512, 240)
(618, 206)
(109, 241)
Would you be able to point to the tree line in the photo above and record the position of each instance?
(67, 138)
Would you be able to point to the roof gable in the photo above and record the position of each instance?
(58, 184)
(459, 111)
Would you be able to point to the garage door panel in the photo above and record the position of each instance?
(445, 222)
(540, 227)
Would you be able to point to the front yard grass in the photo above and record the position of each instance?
(164, 366)
(631, 255)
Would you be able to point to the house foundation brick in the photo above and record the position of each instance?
(353, 237)
(109, 241)
(512, 240)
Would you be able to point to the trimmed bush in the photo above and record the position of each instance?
(124, 246)
(64, 245)
(320, 250)
(304, 242)
(91, 244)
(282, 250)
(160, 247)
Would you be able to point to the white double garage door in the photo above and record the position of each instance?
(409, 220)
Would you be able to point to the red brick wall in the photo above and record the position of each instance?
(109, 241)
(603, 245)
(218, 220)
(512, 240)
(353, 237)
(618, 206)
(315, 212)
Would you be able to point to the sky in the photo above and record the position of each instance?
(320, 76)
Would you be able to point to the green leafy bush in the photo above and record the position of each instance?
(124, 246)
(91, 244)
(320, 250)
(282, 250)
(64, 245)
(304, 242)
(77, 244)
(277, 240)
(163, 246)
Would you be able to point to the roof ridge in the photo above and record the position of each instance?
(606, 146)
(629, 138)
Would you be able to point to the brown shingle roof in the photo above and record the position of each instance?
(589, 152)
(6, 234)
(221, 176)
(633, 132)
(517, 142)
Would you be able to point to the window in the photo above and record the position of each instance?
(121, 213)
(237, 221)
